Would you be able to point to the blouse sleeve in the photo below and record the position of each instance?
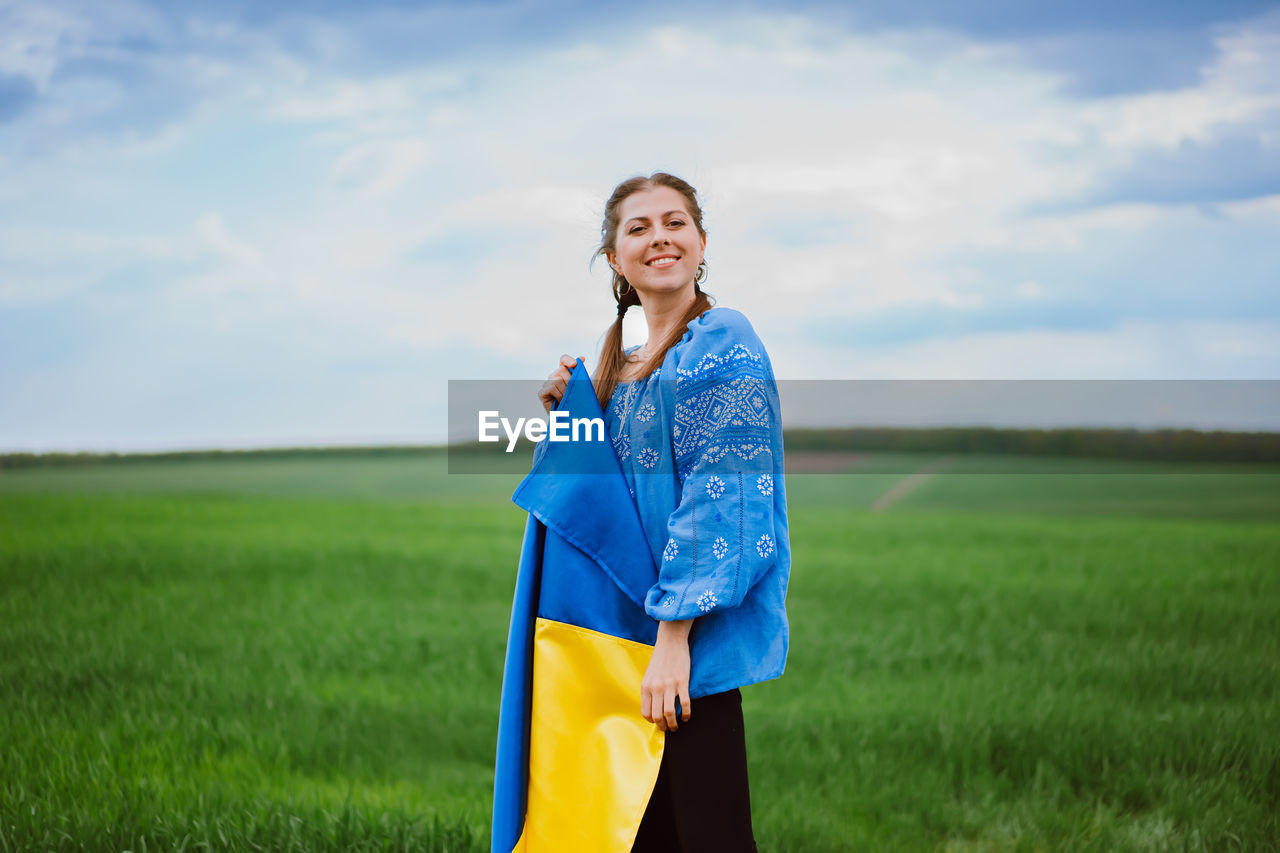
(725, 437)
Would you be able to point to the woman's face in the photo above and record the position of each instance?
(658, 246)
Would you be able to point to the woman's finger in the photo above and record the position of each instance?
(686, 704)
(558, 378)
(552, 391)
(669, 710)
(651, 708)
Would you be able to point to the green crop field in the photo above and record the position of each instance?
(306, 654)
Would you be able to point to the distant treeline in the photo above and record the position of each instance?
(27, 460)
(1186, 445)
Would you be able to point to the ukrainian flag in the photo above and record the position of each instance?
(576, 763)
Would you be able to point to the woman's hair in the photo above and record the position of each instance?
(612, 356)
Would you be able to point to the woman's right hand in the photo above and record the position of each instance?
(553, 389)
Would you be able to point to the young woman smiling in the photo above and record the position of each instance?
(694, 419)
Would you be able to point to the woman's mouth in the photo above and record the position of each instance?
(662, 262)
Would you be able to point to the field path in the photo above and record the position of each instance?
(911, 482)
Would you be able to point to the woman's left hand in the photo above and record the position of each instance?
(667, 677)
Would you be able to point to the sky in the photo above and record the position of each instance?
(238, 224)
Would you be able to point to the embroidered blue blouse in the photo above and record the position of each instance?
(700, 443)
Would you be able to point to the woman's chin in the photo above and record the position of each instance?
(664, 287)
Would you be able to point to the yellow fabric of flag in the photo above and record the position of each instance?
(593, 760)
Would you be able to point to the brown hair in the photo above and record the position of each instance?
(612, 356)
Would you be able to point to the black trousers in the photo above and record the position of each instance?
(702, 801)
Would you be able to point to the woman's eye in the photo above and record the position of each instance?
(636, 229)
(675, 222)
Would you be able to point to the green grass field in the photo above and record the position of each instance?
(307, 655)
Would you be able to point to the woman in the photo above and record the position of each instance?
(694, 420)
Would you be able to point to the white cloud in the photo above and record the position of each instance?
(1239, 86)
(36, 35)
(377, 168)
(215, 234)
(346, 100)
(836, 168)
(1029, 290)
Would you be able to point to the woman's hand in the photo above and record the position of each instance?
(553, 389)
(667, 677)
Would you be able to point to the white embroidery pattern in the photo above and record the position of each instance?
(720, 548)
(715, 487)
(764, 545)
(669, 552)
(707, 600)
(710, 363)
(645, 413)
(669, 601)
(648, 457)
(746, 450)
(737, 406)
(624, 397)
(765, 484)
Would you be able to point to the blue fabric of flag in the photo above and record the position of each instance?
(584, 562)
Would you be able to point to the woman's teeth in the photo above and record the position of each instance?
(662, 262)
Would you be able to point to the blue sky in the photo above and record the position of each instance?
(246, 224)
